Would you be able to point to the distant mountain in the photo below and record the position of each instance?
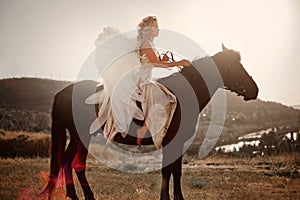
(25, 104)
(243, 117)
(29, 93)
(296, 107)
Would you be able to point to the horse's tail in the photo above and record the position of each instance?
(58, 143)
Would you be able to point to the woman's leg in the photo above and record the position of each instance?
(141, 132)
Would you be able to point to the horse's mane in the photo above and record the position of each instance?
(228, 55)
(193, 77)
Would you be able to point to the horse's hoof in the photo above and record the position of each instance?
(164, 197)
(89, 197)
(72, 197)
(178, 197)
(88, 194)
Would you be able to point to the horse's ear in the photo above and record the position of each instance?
(224, 48)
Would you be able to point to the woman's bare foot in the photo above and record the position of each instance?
(141, 132)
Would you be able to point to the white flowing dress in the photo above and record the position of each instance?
(158, 103)
(127, 80)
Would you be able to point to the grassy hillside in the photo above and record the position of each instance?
(29, 93)
(25, 103)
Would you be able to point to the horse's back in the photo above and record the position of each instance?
(69, 103)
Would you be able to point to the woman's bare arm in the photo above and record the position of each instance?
(146, 48)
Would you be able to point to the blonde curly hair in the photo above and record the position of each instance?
(144, 29)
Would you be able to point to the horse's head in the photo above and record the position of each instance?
(235, 77)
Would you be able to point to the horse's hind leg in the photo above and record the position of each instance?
(79, 166)
(67, 167)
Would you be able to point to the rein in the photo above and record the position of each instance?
(168, 56)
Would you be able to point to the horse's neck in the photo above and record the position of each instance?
(205, 79)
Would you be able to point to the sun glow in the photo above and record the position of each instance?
(263, 31)
(35, 41)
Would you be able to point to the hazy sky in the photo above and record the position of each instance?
(52, 39)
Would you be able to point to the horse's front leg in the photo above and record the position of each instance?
(172, 165)
(176, 172)
(174, 169)
(166, 175)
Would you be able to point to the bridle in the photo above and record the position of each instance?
(237, 87)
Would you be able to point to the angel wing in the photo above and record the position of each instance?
(108, 32)
(118, 60)
(112, 59)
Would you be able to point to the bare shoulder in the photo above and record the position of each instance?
(146, 44)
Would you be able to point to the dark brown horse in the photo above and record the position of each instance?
(200, 78)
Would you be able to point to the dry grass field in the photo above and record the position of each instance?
(211, 178)
(24, 144)
(215, 177)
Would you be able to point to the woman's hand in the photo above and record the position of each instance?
(184, 63)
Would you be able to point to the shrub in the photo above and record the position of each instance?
(25, 145)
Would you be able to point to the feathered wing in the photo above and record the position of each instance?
(118, 98)
(108, 32)
(125, 92)
(99, 60)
